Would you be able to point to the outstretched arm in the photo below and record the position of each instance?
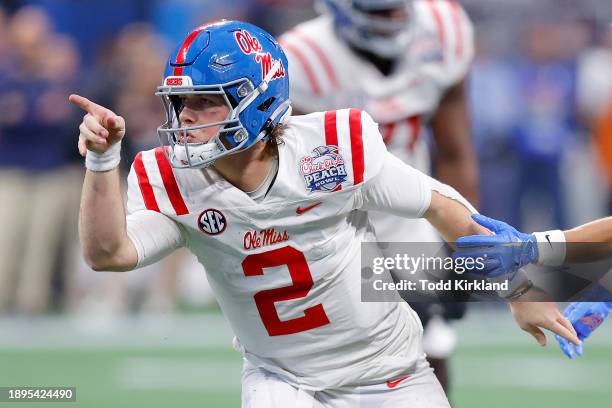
(598, 231)
(404, 191)
(452, 220)
(102, 224)
(513, 249)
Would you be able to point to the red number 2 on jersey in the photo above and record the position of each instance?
(314, 316)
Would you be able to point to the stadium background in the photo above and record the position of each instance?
(541, 101)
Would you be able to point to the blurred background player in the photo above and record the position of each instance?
(508, 249)
(405, 62)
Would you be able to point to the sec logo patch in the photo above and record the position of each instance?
(212, 222)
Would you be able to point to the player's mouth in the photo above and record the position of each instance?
(188, 137)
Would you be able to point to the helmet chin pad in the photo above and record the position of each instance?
(188, 153)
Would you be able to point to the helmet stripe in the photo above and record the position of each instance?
(145, 185)
(182, 54)
(172, 189)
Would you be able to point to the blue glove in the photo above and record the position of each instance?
(504, 252)
(585, 317)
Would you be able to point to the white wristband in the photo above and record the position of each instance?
(106, 161)
(551, 247)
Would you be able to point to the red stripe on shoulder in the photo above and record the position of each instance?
(329, 69)
(438, 19)
(331, 133)
(458, 27)
(167, 175)
(314, 84)
(145, 186)
(356, 145)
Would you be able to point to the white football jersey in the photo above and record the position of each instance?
(286, 270)
(325, 73)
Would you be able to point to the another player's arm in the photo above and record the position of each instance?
(419, 195)
(455, 160)
(599, 232)
(544, 248)
(453, 219)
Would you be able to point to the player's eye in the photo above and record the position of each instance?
(198, 103)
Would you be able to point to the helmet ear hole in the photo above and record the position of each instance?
(265, 105)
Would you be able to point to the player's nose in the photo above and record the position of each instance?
(187, 116)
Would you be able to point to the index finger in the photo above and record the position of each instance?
(93, 108)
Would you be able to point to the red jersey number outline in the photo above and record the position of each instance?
(301, 278)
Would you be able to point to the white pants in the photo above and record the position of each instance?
(263, 389)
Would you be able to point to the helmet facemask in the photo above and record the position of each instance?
(232, 136)
(183, 154)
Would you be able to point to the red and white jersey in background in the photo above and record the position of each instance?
(325, 73)
(286, 271)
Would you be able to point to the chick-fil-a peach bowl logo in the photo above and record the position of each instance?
(323, 169)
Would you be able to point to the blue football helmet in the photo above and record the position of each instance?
(382, 27)
(242, 63)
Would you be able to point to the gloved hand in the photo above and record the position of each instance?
(504, 253)
(585, 317)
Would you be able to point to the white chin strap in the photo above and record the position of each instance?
(197, 154)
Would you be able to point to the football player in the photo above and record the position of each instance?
(549, 249)
(275, 207)
(405, 62)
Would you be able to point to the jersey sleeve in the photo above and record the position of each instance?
(448, 21)
(359, 143)
(402, 190)
(153, 234)
(152, 185)
(397, 189)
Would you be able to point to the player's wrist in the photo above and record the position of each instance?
(550, 247)
(519, 291)
(106, 161)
